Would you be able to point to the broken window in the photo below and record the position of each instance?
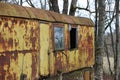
(59, 38)
(73, 37)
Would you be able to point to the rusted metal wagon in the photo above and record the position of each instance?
(37, 43)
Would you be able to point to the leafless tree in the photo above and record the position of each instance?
(100, 41)
(109, 47)
(65, 7)
(117, 55)
(54, 5)
(73, 7)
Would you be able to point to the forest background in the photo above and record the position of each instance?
(105, 15)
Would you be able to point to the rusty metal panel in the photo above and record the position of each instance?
(86, 45)
(58, 62)
(18, 48)
(87, 75)
(66, 33)
(74, 63)
(34, 13)
(82, 21)
(57, 16)
(51, 52)
(18, 34)
(66, 61)
(19, 44)
(67, 19)
(44, 49)
(40, 14)
(70, 60)
(13, 10)
(51, 64)
(15, 64)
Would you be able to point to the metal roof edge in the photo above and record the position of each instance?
(13, 10)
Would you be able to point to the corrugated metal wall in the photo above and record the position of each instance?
(27, 49)
(70, 60)
(18, 48)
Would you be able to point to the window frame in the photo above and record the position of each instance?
(58, 25)
(77, 36)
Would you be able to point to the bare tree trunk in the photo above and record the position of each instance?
(30, 3)
(65, 7)
(117, 42)
(73, 7)
(100, 41)
(96, 19)
(21, 2)
(54, 5)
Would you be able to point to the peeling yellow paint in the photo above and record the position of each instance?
(18, 34)
(28, 48)
(21, 65)
(18, 43)
(51, 63)
(81, 57)
(5, 67)
(44, 49)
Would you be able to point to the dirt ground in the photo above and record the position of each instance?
(109, 77)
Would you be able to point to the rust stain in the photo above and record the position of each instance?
(14, 22)
(90, 55)
(18, 37)
(4, 65)
(86, 42)
(34, 64)
(0, 22)
(23, 32)
(10, 42)
(66, 37)
(27, 46)
(58, 63)
(70, 60)
(18, 51)
(87, 75)
(6, 24)
(1, 40)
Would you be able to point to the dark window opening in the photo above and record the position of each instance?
(73, 38)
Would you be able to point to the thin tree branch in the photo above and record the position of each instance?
(30, 3)
(110, 22)
(45, 4)
(86, 9)
(41, 4)
(87, 4)
(113, 16)
(73, 7)
(65, 6)
(50, 5)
